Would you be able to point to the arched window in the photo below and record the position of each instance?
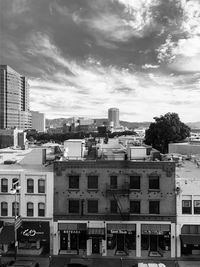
(41, 186)
(4, 185)
(4, 209)
(41, 209)
(30, 210)
(15, 209)
(30, 185)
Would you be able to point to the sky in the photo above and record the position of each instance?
(82, 57)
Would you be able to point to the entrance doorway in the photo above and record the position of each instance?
(153, 242)
(63, 241)
(120, 242)
(73, 242)
(95, 245)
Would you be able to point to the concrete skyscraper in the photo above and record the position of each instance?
(14, 100)
(113, 117)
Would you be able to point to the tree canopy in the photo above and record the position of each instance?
(166, 129)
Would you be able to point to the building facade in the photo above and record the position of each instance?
(114, 208)
(38, 121)
(14, 100)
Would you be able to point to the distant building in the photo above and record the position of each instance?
(12, 137)
(113, 117)
(38, 121)
(14, 100)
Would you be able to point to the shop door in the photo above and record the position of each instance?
(63, 241)
(153, 242)
(73, 242)
(95, 245)
(120, 242)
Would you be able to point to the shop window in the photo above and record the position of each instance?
(82, 240)
(154, 207)
(196, 206)
(186, 206)
(15, 209)
(41, 209)
(135, 182)
(4, 185)
(4, 209)
(30, 186)
(154, 182)
(113, 206)
(130, 241)
(145, 242)
(74, 206)
(30, 209)
(73, 182)
(135, 207)
(111, 241)
(113, 182)
(92, 206)
(92, 182)
(41, 186)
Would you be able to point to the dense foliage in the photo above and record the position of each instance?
(164, 130)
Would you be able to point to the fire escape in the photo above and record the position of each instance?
(117, 194)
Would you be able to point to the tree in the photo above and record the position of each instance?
(166, 129)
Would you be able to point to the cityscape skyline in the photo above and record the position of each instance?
(142, 57)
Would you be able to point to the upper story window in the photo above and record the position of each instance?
(154, 207)
(74, 206)
(41, 186)
(30, 185)
(30, 209)
(74, 182)
(4, 209)
(135, 182)
(113, 182)
(4, 185)
(92, 206)
(186, 206)
(15, 184)
(92, 182)
(41, 209)
(113, 206)
(196, 206)
(15, 209)
(154, 182)
(135, 206)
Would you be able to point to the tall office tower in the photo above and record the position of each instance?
(38, 121)
(113, 117)
(14, 100)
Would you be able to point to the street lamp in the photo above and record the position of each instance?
(13, 191)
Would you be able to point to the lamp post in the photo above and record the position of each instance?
(13, 191)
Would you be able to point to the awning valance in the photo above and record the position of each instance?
(72, 226)
(96, 231)
(191, 239)
(7, 234)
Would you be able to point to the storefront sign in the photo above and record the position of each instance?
(71, 232)
(31, 232)
(121, 232)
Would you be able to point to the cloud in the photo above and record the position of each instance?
(149, 66)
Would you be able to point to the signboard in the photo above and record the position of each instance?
(34, 231)
(121, 232)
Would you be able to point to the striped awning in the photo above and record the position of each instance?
(125, 227)
(96, 231)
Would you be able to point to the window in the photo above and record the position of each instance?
(113, 206)
(30, 186)
(196, 206)
(113, 182)
(134, 182)
(41, 209)
(4, 209)
(154, 207)
(4, 185)
(74, 206)
(135, 207)
(15, 183)
(29, 209)
(92, 206)
(186, 206)
(74, 182)
(15, 209)
(92, 182)
(41, 186)
(154, 182)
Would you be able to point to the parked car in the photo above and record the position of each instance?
(24, 263)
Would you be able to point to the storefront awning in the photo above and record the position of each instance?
(33, 231)
(96, 231)
(7, 234)
(72, 226)
(123, 227)
(155, 228)
(191, 239)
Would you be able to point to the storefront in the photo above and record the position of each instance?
(155, 240)
(121, 239)
(190, 240)
(33, 238)
(73, 238)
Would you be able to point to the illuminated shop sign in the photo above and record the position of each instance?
(71, 231)
(121, 232)
(31, 232)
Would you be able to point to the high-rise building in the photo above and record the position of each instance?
(113, 117)
(14, 100)
(38, 121)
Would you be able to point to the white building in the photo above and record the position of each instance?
(38, 121)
